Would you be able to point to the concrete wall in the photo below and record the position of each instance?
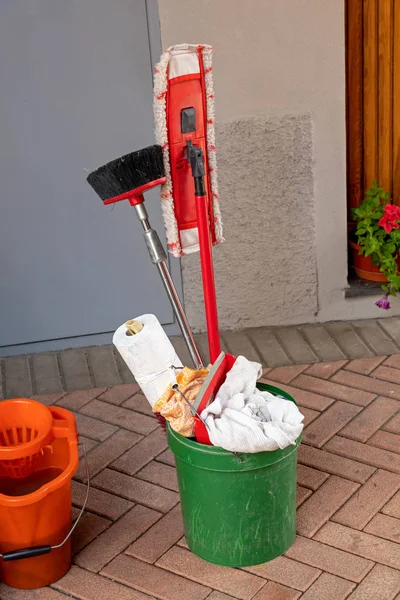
(279, 77)
(266, 269)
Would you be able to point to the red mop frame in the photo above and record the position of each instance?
(176, 100)
(183, 79)
(191, 211)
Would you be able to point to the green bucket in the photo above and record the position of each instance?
(238, 510)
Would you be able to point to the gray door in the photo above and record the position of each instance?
(76, 92)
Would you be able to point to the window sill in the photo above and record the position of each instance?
(360, 287)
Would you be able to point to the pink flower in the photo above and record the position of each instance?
(391, 218)
(384, 302)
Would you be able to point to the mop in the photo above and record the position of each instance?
(184, 111)
(184, 123)
(184, 128)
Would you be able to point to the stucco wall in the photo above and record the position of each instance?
(266, 268)
(278, 66)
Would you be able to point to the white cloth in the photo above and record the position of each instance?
(245, 419)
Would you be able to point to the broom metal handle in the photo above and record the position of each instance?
(179, 314)
(159, 258)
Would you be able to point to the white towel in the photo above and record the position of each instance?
(245, 419)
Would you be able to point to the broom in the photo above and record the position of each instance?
(127, 178)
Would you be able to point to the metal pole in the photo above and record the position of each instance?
(159, 257)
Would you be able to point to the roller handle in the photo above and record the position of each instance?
(26, 553)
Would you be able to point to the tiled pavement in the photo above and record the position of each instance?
(130, 544)
(98, 366)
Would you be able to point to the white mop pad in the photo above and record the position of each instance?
(176, 62)
(245, 419)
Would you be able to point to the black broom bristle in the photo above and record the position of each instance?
(128, 172)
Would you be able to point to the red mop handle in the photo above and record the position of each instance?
(207, 272)
(196, 159)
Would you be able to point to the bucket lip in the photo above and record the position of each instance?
(218, 452)
(62, 478)
(225, 455)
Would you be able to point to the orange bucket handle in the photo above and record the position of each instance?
(63, 422)
(40, 550)
(60, 428)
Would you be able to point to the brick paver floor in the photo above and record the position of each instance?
(130, 543)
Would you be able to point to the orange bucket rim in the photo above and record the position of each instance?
(67, 474)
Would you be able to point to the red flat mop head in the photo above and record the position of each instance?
(184, 111)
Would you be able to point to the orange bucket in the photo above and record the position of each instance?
(38, 458)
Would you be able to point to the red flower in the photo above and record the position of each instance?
(391, 218)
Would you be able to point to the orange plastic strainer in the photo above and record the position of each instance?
(25, 428)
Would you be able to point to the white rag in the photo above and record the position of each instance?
(245, 419)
